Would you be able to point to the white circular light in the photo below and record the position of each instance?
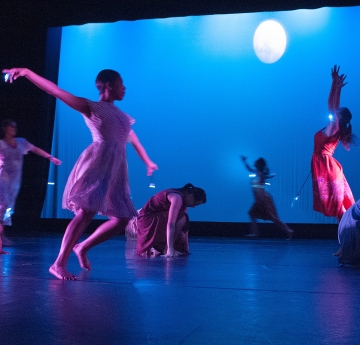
(269, 41)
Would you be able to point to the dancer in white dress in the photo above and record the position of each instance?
(99, 179)
(12, 150)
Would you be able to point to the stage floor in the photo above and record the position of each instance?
(228, 291)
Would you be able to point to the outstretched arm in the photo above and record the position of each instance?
(48, 86)
(269, 176)
(42, 153)
(248, 167)
(135, 142)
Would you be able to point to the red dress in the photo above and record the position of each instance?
(152, 221)
(330, 189)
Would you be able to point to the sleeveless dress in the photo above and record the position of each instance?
(349, 236)
(151, 225)
(263, 207)
(11, 163)
(98, 181)
(331, 191)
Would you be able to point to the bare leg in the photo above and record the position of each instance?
(5, 240)
(104, 232)
(254, 230)
(338, 253)
(72, 234)
(338, 217)
(284, 228)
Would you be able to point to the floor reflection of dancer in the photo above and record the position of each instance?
(99, 179)
(12, 151)
(162, 224)
(331, 192)
(264, 207)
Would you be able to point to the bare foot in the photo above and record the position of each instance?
(338, 253)
(290, 235)
(154, 252)
(61, 273)
(252, 235)
(83, 260)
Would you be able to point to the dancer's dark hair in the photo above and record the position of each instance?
(199, 193)
(106, 76)
(345, 129)
(4, 124)
(260, 164)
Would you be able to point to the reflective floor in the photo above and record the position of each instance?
(228, 291)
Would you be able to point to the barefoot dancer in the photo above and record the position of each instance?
(162, 224)
(264, 207)
(163, 221)
(99, 179)
(331, 192)
(12, 151)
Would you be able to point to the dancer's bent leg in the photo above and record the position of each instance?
(284, 228)
(104, 232)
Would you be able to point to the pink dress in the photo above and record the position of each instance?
(152, 221)
(11, 163)
(330, 189)
(99, 180)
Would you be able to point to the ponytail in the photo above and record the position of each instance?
(345, 129)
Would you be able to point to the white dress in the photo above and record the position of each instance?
(11, 163)
(98, 181)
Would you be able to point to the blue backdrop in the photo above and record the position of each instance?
(201, 97)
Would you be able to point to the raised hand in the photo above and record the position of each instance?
(243, 158)
(339, 80)
(335, 72)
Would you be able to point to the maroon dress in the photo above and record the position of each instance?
(152, 221)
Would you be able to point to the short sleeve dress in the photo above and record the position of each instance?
(11, 163)
(98, 181)
(331, 190)
(151, 225)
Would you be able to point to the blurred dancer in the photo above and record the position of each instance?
(12, 151)
(263, 207)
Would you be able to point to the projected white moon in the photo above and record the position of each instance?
(269, 41)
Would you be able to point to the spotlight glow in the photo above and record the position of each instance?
(269, 41)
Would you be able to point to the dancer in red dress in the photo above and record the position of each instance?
(332, 194)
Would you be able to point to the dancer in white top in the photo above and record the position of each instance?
(12, 151)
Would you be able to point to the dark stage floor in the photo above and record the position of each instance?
(228, 291)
